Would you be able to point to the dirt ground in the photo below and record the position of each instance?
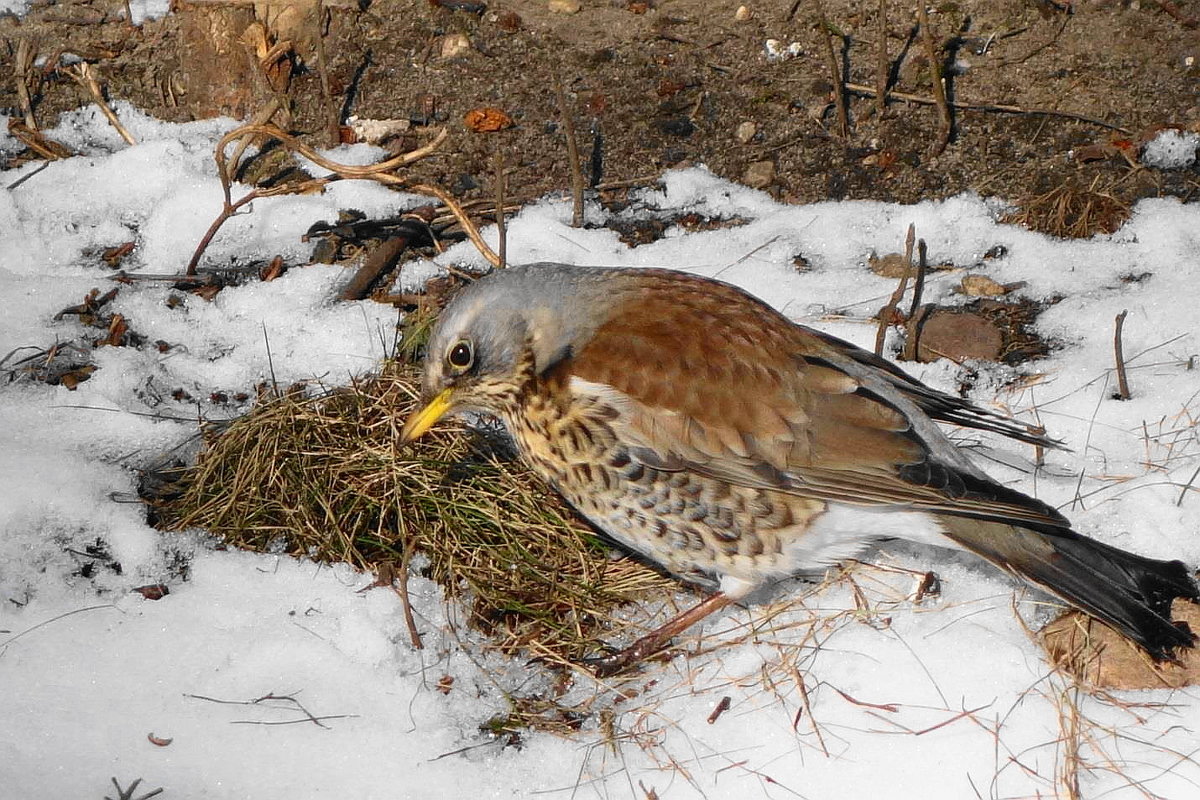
(661, 83)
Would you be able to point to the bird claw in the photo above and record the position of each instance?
(617, 662)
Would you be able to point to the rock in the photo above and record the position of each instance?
(958, 335)
(760, 174)
(743, 14)
(565, 6)
(1101, 657)
(745, 132)
(455, 45)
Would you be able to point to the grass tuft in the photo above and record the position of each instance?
(322, 476)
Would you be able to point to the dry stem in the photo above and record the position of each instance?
(835, 74)
(945, 120)
(85, 76)
(1118, 352)
(1001, 108)
(577, 184)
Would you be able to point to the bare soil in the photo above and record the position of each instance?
(658, 84)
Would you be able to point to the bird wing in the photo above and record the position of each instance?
(723, 385)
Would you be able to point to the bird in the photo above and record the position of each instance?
(702, 429)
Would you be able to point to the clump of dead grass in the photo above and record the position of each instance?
(322, 476)
(1071, 212)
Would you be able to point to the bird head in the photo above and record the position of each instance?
(497, 335)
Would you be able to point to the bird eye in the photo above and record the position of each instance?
(461, 355)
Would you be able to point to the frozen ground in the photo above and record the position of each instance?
(946, 699)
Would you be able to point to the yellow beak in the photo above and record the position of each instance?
(423, 420)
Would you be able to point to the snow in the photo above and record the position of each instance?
(1171, 149)
(91, 670)
(140, 10)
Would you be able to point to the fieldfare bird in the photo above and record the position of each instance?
(697, 426)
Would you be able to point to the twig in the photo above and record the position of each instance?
(881, 61)
(501, 231)
(22, 67)
(468, 227)
(377, 262)
(85, 76)
(888, 312)
(913, 332)
(413, 231)
(722, 707)
(37, 142)
(572, 155)
(835, 74)
(44, 623)
(945, 121)
(867, 91)
(1187, 486)
(1122, 382)
(1178, 15)
(332, 116)
(127, 792)
(919, 284)
(380, 172)
(414, 635)
(271, 696)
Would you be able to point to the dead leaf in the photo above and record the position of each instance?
(982, 286)
(487, 120)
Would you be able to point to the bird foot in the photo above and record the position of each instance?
(618, 662)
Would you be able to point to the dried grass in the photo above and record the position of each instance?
(322, 476)
(1071, 212)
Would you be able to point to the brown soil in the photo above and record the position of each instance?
(665, 83)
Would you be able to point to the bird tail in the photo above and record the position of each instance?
(1128, 592)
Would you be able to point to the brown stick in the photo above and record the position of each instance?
(572, 155)
(378, 172)
(501, 231)
(1122, 382)
(467, 225)
(881, 61)
(85, 76)
(835, 74)
(919, 285)
(888, 312)
(23, 67)
(402, 578)
(332, 113)
(867, 91)
(945, 121)
(380, 260)
(913, 333)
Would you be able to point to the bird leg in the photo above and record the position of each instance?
(658, 638)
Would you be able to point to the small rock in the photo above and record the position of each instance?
(760, 174)
(677, 126)
(1102, 657)
(743, 14)
(455, 45)
(509, 21)
(565, 6)
(958, 336)
(776, 50)
(745, 132)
